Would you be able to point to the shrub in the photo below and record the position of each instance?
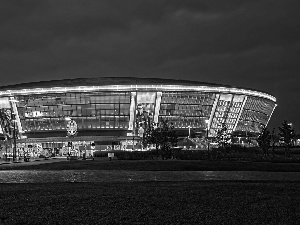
(234, 152)
(100, 153)
(192, 155)
(135, 155)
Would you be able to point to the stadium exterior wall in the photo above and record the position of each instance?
(121, 110)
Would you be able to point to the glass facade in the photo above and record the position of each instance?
(227, 111)
(91, 110)
(186, 109)
(256, 113)
(135, 109)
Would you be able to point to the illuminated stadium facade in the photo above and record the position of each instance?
(119, 107)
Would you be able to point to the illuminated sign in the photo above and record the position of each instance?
(34, 114)
(116, 147)
(71, 128)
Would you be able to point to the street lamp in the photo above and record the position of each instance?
(207, 122)
(239, 140)
(133, 133)
(13, 119)
(246, 129)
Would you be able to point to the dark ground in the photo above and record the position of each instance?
(189, 202)
(156, 165)
(206, 202)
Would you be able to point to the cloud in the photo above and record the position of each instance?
(151, 32)
(253, 43)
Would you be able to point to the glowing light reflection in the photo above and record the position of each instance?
(138, 88)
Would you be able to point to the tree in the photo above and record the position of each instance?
(223, 137)
(286, 134)
(273, 141)
(151, 136)
(264, 140)
(163, 136)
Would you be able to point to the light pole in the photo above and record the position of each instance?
(133, 140)
(246, 124)
(207, 122)
(13, 119)
(239, 140)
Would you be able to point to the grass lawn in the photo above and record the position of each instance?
(211, 202)
(191, 202)
(159, 165)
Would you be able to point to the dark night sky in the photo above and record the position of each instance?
(246, 43)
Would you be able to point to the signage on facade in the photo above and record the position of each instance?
(71, 128)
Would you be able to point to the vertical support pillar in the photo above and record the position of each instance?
(15, 111)
(212, 113)
(157, 106)
(132, 111)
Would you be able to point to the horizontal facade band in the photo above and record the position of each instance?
(138, 88)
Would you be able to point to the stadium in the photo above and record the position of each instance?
(97, 113)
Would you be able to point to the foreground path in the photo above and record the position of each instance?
(33, 161)
(34, 176)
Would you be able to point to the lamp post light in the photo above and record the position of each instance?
(133, 133)
(246, 130)
(207, 122)
(14, 136)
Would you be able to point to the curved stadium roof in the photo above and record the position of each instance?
(125, 83)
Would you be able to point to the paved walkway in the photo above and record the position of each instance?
(34, 176)
(33, 161)
(37, 176)
(31, 176)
